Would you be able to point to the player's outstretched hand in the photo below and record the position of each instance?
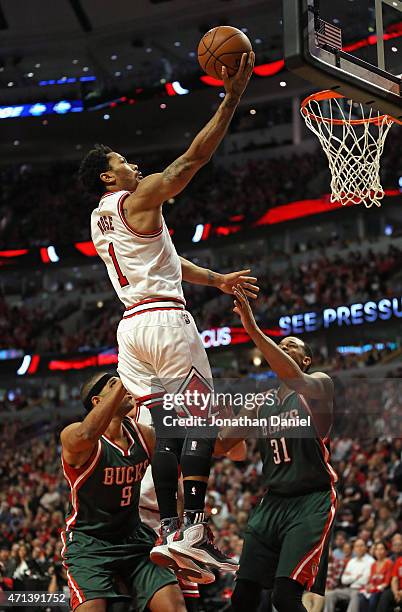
(229, 281)
(243, 309)
(236, 84)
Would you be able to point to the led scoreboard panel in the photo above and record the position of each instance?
(353, 314)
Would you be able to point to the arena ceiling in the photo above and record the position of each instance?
(127, 44)
(135, 41)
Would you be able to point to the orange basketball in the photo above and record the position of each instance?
(222, 46)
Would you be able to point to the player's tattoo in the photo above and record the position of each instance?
(211, 277)
(125, 211)
(177, 169)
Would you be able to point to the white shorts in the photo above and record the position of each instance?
(160, 351)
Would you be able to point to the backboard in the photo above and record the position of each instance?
(322, 46)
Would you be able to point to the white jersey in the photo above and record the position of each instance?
(140, 266)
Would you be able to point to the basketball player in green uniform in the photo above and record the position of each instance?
(104, 459)
(287, 538)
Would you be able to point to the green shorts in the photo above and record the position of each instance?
(289, 537)
(93, 565)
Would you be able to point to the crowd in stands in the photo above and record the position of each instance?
(43, 206)
(316, 282)
(366, 548)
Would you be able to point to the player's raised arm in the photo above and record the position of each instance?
(315, 386)
(154, 189)
(79, 439)
(196, 275)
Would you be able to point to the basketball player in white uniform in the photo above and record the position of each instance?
(159, 346)
(148, 507)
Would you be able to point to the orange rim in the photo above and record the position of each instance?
(328, 94)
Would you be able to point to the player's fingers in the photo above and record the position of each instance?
(251, 287)
(247, 279)
(242, 63)
(241, 291)
(224, 73)
(239, 296)
(250, 64)
(251, 295)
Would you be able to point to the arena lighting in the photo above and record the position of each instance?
(358, 350)
(13, 253)
(29, 365)
(208, 80)
(86, 248)
(26, 362)
(49, 255)
(11, 354)
(39, 108)
(265, 70)
(198, 233)
(175, 89)
(54, 258)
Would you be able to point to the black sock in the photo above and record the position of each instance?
(196, 461)
(164, 474)
(165, 465)
(194, 495)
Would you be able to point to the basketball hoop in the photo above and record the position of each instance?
(352, 145)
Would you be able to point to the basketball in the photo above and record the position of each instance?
(222, 46)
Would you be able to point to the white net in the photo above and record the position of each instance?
(352, 145)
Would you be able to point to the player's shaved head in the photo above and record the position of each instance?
(92, 166)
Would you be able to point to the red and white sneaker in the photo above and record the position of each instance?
(195, 541)
(184, 567)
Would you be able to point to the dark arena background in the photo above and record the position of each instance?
(78, 72)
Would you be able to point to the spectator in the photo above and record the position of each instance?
(396, 546)
(393, 597)
(339, 542)
(26, 568)
(355, 576)
(6, 584)
(380, 578)
(386, 522)
(336, 567)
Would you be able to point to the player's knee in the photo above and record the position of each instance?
(287, 595)
(93, 605)
(168, 599)
(246, 596)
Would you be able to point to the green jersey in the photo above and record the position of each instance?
(295, 457)
(105, 491)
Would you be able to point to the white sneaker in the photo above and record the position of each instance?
(185, 567)
(196, 542)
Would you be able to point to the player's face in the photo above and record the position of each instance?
(125, 175)
(294, 347)
(126, 405)
(128, 402)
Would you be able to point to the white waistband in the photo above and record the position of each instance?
(153, 305)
